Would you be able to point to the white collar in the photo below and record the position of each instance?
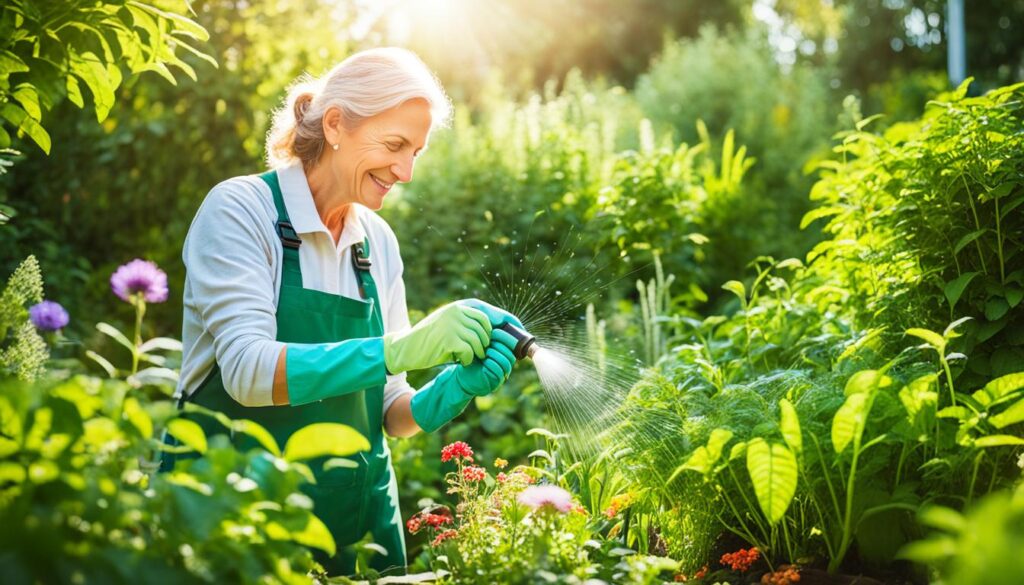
(298, 200)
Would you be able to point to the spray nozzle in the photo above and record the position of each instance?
(526, 344)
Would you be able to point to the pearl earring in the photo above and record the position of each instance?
(334, 146)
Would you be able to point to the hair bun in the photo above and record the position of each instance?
(302, 103)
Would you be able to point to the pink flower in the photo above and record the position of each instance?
(414, 524)
(436, 520)
(456, 450)
(473, 473)
(140, 277)
(546, 495)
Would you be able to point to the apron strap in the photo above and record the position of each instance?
(367, 287)
(291, 274)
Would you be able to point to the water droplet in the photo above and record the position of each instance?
(558, 293)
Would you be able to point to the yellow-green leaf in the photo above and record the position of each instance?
(773, 472)
(258, 432)
(134, 413)
(1010, 416)
(848, 423)
(316, 535)
(930, 337)
(189, 433)
(790, 426)
(324, 440)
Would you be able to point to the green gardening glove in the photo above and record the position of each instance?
(495, 315)
(447, 395)
(452, 333)
(482, 377)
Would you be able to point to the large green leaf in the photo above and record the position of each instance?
(790, 426)
(258, 432)
(189, 433)
(954, 289)
(866, 382)
(324, 439)
(1004, 385)
(25, 123)
(316, 535)
(848, 423)
(1010, 416)
(932, 338)
(998, 441)
(773, 472)
(704, 458)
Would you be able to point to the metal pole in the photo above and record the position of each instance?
(956, 58)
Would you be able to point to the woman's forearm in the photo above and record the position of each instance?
(398, 421)
(280, 390)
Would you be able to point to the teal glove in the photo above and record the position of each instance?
(447, 395)
(452, 333)
(482, 377)
(495, 315)
(323, 370)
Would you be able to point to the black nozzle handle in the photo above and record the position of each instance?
(525, 342)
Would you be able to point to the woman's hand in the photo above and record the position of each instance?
(494, 314)
(454, 332)
(485, 376)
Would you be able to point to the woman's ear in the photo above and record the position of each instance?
(333, 128)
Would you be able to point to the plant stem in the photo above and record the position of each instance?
(140, 311)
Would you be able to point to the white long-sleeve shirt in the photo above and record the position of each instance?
(233, 258)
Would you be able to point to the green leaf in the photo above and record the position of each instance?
(929, 551)
(102, 362)
(995, 308)
(930, 337)
(1011, 416)
(954, 289)
(112, 332)
(773, 472)
(867, 382)
(88, 67)
(133, 413)
(816, 214)
(28, 97)
(10, 428)
(24, 123)
(848, 423)
(75, 91)
(161, 343)
(704, 458)
(790, 426)
(324, 439)
(10, 64)
(258, 432)
(1004, 386)
(736, 287)
(998, 441)
(189, 433)
(942, 518)
(316, 535)
(964, 241)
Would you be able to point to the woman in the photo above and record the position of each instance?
(295, 308)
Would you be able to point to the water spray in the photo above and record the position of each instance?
(526, 344)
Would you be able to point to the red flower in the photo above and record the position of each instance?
(501, 477)
(444, 536)
(473, 473)
(414, 524)
(436, 520)
(741, 560)
(456, 450)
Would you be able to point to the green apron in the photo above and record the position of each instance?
(351, 502)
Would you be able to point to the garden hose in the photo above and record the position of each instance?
(526, 344)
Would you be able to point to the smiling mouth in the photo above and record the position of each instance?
(383, 186)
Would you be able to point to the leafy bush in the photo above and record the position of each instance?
(925, 225)
(783, 117)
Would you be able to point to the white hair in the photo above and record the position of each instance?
(365, 84)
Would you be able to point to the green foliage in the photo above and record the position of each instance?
(54, 48)
(981, 546)
(924, 224)
(781, 116)
(22, 351)
(77, 478)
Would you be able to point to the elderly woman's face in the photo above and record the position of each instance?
(382, 151)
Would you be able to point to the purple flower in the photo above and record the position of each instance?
(538, 496)
(48, 316)
(140, 276)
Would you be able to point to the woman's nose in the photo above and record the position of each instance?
(403, 169)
